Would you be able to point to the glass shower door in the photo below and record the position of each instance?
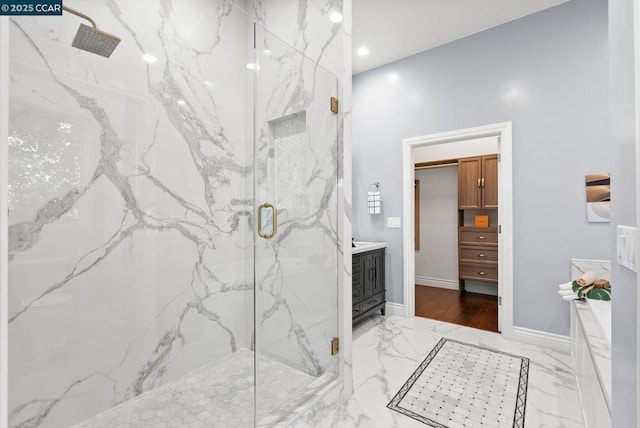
(296, 251)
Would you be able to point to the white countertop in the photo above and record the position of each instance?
(362, 246)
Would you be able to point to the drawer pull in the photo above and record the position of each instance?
(482, 256)
(481, 237)
(355, 311)
(373, 302)
(482, 273)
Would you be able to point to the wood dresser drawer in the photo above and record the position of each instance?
(479, 272)
(372, 301)
(476, 236)
(487, 255)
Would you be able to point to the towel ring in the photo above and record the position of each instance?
(377, 184)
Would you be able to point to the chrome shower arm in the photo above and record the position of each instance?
(81, 15)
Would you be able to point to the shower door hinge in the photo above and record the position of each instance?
(334, 105)
(499, 228)
(500, 301)
(335, 346)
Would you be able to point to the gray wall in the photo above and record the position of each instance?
(548, 74)
(623, 191)
(438, 254)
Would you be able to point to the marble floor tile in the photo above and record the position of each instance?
(460, 384)
(387, 350)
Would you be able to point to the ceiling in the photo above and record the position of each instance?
(400, 28)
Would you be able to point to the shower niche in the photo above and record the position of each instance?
(189, 271)
(290, 144)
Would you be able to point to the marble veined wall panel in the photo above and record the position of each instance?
(602, 268)
(307, 26)
(130, 211)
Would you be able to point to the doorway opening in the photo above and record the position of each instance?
(456, 260)
(453, 268)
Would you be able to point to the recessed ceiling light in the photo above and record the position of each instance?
(182, 102)
(266, 52)
(335, 17)
(149, 58)
(252, 66)
(363, 51)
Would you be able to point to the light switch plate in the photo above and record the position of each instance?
(626, 246)
(394, 222)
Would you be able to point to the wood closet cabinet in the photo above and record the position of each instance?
(477, 246)
(478, 182)
(477, 254)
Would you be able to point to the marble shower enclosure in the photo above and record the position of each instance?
(131, 201)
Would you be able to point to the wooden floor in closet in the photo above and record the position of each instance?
(471, 310)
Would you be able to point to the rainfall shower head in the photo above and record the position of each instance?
(92, 39)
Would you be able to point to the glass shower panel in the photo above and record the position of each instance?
(131, 218)
(296, 263)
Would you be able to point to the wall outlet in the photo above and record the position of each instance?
(394, 222)
(626, 246)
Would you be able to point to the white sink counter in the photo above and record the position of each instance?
(362, 246)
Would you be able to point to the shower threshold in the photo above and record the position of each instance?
(218, 395)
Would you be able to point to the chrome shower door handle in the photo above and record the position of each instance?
(267, 221)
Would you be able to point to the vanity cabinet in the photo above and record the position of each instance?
(591, 358)
(478, 182)
(477, 255)
(368, 286)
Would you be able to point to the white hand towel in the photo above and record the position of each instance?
(566, 285)
(374, 200)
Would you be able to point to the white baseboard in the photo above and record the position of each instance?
(553, 341)
(437, 282)
(394, 309)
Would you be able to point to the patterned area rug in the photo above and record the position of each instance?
(462, 385)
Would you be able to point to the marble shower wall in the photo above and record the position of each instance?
(131, 216)
(306, 26)
(131, 235)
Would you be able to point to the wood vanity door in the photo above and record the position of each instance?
(378, 272)
(367, 271)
